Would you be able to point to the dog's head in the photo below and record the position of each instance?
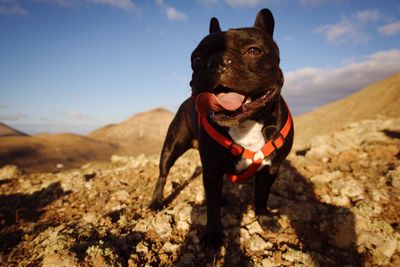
(236, 72)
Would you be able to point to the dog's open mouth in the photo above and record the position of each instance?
(220, 100)
(228, 107)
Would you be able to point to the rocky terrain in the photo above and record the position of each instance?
(336, 203)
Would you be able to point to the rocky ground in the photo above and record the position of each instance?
(335, 203)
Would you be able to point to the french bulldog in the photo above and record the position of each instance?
(236, 85)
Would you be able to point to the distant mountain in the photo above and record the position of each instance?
(380, 99)
(6, 130)
(42, 153)
(142, 133)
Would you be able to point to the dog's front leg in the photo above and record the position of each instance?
(212, 180)
(262, 188)
(179, 139)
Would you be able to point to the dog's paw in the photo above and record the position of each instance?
(212, 240)
(156, 205)
(268, 222)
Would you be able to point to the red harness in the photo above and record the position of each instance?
(238, 150)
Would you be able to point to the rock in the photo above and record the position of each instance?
(353, 189)
(380, 247)
(254, 228)
(277, 257)
(183, 226)
(59, 166)
(9, 172)
(142, 226)
(121, 196)
(267, 263)
(256, 243)
(342, 201)
(292, 256)
(348, 187)
(142, 248)
(91, 218)
(284, 222)
(244, 235)
(59, 260)
(162, 224)
(394, 177)
(123, 221)
(384, 251)
(200, 197)
(169, 247)
(119, 159)
(325, 178)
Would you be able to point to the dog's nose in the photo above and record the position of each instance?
(218, 63)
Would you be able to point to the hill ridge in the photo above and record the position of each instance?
(385, 95)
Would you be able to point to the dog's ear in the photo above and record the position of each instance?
(265, 21)
(214, 25)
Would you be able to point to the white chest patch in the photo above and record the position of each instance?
(248, 134)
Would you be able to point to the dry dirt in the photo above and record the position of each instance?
(50, 152)
(335, 203)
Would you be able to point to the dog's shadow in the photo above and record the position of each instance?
(322, 231)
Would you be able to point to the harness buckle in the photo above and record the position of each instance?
(236, 149)
(278, 141)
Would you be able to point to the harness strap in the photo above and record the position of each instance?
(238, 150)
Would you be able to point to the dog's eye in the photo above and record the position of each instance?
(253, 51)
(196, 60)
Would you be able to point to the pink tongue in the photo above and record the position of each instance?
(222, 102)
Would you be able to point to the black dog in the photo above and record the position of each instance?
(242, 124)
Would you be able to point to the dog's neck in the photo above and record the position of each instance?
(271, 118)
(265, 124)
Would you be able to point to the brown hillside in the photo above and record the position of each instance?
(6, 130)
(380, 99)
(43, 153)
(141, 133)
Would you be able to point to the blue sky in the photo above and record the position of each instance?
(76, 65)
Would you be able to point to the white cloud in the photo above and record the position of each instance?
(390, 29)
(12, 7)
(368, 15)
(243, 3)
(308, 88)
(344, 31)
(122, 4)
(174, 15)
(351, 29)
(126, 5)
(171, 12)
